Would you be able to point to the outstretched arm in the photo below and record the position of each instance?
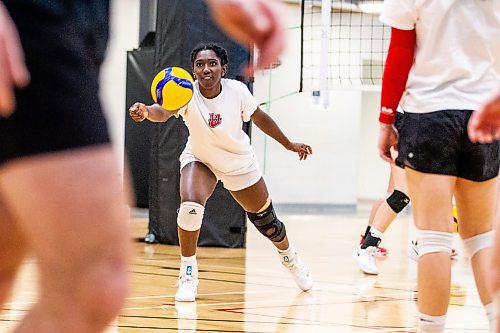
(13, 71)
(155, 113)
(269, 127)
(252, 21)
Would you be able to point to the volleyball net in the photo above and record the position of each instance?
(344, 44)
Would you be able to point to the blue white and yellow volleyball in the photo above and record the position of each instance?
(172, 88)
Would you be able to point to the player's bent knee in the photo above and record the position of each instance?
(190, 216)
(268, 224)
(398, 201)
(430, 241)
(476, 243)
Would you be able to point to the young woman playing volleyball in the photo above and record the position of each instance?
(218, 149)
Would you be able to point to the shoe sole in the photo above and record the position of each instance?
(307, 288)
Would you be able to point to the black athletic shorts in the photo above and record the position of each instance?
(64, 44)
(437, 143)
(398, 119)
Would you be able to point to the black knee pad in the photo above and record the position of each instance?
(268, 224)
(398, 201)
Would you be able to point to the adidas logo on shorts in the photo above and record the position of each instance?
(192, 212)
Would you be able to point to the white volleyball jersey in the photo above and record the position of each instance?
(457, 58)
(216, 136)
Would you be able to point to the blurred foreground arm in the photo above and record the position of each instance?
(13, 71)
(484, 124)
(252, 21)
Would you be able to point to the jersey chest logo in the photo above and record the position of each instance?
(214, 120)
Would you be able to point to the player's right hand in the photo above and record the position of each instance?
(138, 111)
(388, 138)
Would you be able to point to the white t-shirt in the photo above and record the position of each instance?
(216, 136)
(457, 58)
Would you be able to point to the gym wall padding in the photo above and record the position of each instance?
(181, 25)
(140, 72)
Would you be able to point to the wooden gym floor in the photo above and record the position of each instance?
(247, 290)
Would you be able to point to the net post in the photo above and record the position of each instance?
(326, 8)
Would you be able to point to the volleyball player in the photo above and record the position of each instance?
(60, 196)
(219, 149)
(442, 56)
(383, 213)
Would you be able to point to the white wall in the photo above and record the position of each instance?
(329, 176)
(344, 167)
(373, 172)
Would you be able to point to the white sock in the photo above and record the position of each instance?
(189, 266)
(288, 255)
(492, 315)
(431, 324)
(376, 233)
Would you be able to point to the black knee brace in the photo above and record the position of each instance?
(398, 201)
(268, 224)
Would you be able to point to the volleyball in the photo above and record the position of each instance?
(172, 88)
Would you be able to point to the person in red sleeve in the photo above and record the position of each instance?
(400, 56)
(440, 68)
(385, 211)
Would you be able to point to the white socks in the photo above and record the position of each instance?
(431, 324)
(376, 233)
(189, 266)
(288, 255)
(492, 315)
(435, 324)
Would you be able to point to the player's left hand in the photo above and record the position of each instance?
(301, 148)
